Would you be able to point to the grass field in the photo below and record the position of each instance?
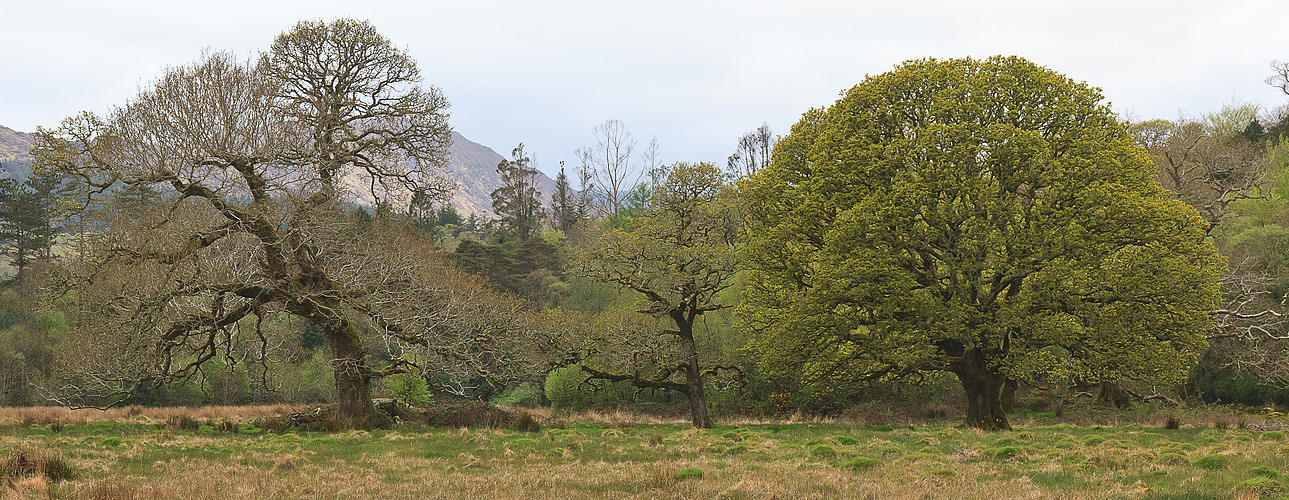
(133, 454)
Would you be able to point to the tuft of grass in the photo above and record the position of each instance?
(1263, 486)
(1273, 435)
(690, 473)
(1264, 471)
(1211, 462)
(1005, 452)
(823, 451)
(227, 427)
(846, 440)
(860, 463)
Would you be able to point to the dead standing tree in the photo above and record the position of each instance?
(253, 173)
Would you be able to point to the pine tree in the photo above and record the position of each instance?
(516, 201)
(564, 204)
(27, 213)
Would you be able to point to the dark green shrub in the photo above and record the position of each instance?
(1173, 423)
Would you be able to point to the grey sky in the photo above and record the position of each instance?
(696, 74)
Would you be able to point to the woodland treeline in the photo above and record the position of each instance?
(967, 234)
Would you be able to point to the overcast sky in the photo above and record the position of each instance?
(695, 74)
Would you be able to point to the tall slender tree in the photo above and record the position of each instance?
(518, 202)
(564, 204)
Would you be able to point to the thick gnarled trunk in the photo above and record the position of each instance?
(348, 362)
(983, 387)
(353, 376)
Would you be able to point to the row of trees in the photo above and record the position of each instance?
(991, 219)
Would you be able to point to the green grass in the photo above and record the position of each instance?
(591, 460)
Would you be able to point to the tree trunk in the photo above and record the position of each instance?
(693, 377)
(1010, 388)
(1112, 392)
(348, 364)
(983, 388)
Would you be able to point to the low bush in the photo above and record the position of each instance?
(526, 422)
(20, 464)
(468, 413)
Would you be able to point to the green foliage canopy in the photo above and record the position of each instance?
(990, 218)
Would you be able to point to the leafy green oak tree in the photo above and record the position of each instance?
(989, 218)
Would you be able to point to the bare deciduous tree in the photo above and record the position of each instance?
(608, 174)
(361, 102)
(1206, 169)
(754, 151)
(250, 225)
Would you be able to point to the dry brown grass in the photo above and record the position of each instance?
(45, 415)
(431, 478)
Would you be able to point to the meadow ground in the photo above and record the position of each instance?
(219, 453)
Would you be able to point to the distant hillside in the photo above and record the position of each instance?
(472, 165)
(15, 149)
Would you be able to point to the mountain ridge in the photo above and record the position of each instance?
(472, 166)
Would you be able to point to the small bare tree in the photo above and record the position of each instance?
(607, 171)
(753, 153)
